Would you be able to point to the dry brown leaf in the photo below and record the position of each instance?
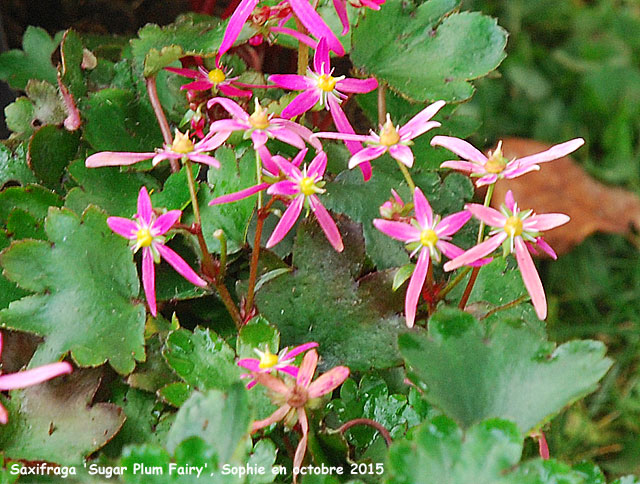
(563, 186)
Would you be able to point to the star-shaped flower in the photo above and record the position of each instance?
(269, 362)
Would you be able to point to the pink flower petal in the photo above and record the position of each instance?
(303, 132)
(419, 124)
(328, 382)
(365, 168)
(199, 85)
(259, 138)
(23, 379)
(289, 370)
(276, 416)
(301, 103)
(292, 353)
(286, 222)
(367, 154)
(402, 153)
(305, 39)
(204, 159)
(424, 214)
(346, 137)
(164, 222)
(184, 72)
(450, 250)
(252, 364)
(327, 224)
(123, 226)
(234, 197)
(288, 168)
(545, 221)
(318, 165)
(401, 231)
(267, 161)
(227, 126)
(229, 90)
(293, 82)
(531, 278)
(553, 153)
(112, 158)
(236, 22)
(459, 147)
(287, 136)
(307, 368)
(180, 265)
(542, 244)
(272, 383)
(212, 141)
(476, 252)
(149, 279)
(509, 201)
(321, 61)
(341, 10)
(463, 166)
(316, 25)
(232, 107)
(415, 287)
(357, 85)
(451, 224)
(486, 180)
(285, 187)
(342, 124)
(145, 211)
(488, 215)
(514, 170)
(4, 415)
(301, 449)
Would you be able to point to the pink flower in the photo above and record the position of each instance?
(269, 362)
(182, 147)
(24, 379)
(341, 10)
(392, 208)
(147, 232)
(270, 174)
(489, 170)
(215, 79)
(260, 126)
(302, 189)
(514, 229)
(293, 398)
(427, 235)
(320, 87)
(393, 139)
(305, 13)
(269, 20)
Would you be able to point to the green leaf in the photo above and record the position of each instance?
(153, 373)
(234, 175)
(85, 307)
(33, 62)
(202, 359)
(48, 108)
(9, 291)
(221, 419)
(18, 116)
(441, 52)
(175, 393)
(401, 275)
(113, 190)
(158, 47)
(320, 301)
(55, 421)
(175, 191)
(13, 166)
(50, 151)
(32, 199)
(257, 333)
(510, 373)
(118, 121)
(71, 75)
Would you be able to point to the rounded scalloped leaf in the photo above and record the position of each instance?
(86, 283)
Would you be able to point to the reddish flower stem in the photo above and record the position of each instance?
(152, 90)
(371, 423)
(263, 213)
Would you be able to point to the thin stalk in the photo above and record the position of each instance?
(407, 176)
(382, 103)
(454, 282)
(508, 305)
(259, 177)
(371, 423)
(222, 238)
(303, 51)
(208, 266)
(152, 91)
(476, 270)
(263, 213)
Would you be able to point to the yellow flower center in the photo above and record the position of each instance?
(496, 162)
(144, 238)
(513, 226)
(389, 135)
(216, 76)
(182, 143)
(428, 237)
(307, 186)
(268, 360)
(326, 82)
(259, 118)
